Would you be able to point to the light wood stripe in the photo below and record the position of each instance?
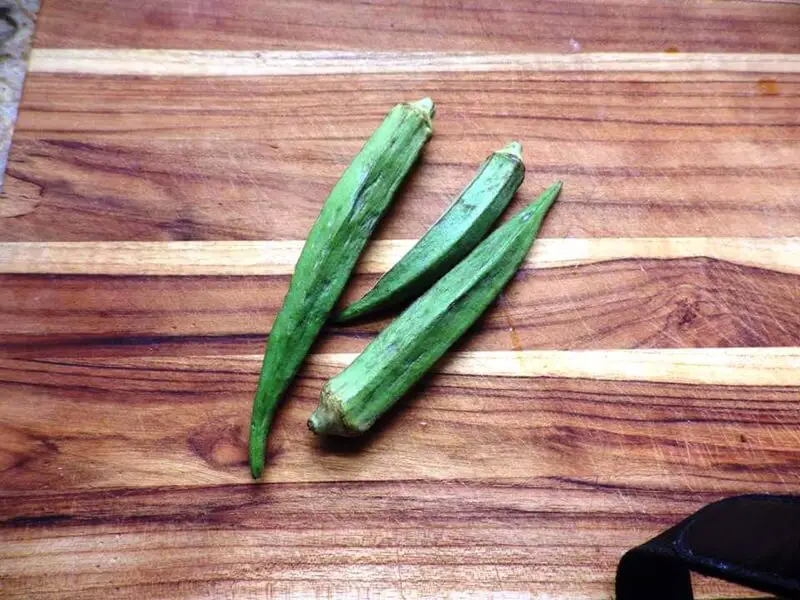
(696, 366)
(278, 257)
(253, 63)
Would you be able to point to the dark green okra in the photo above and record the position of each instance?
(353, 400)
(448, 240)
(334, 243)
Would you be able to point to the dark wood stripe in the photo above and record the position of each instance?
(120, 158)
(141, 422)
(418, 503)
(555, 534)
(620, 304)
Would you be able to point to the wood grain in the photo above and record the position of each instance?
(642, 155)
(621, 304)
(476, 25)
(375, 558)
(143, 422)
(168, 162)
(279, 257)
(129, 476)
(432, 538)
(224, 63)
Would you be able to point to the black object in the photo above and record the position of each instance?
(750, 540)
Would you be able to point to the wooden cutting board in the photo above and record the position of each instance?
(644, 362)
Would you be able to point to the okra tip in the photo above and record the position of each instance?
(513, 149)
(553, 190)
(426, 106)
(256, 467)
(258, 439)
(542, 204)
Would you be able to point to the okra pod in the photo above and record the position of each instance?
(353, 400)
(334, 243)
(448, 240)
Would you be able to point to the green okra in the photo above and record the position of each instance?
(353, 400)
(334, 243)
(448, 240)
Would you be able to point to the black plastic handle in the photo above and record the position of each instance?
(750, 540)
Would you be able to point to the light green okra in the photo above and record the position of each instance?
(448, 240)
(353, 400)
(334, 243)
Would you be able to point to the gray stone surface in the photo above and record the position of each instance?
(17, 20)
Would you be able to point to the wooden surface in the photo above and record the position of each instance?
(469, 25)
(168, 161)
